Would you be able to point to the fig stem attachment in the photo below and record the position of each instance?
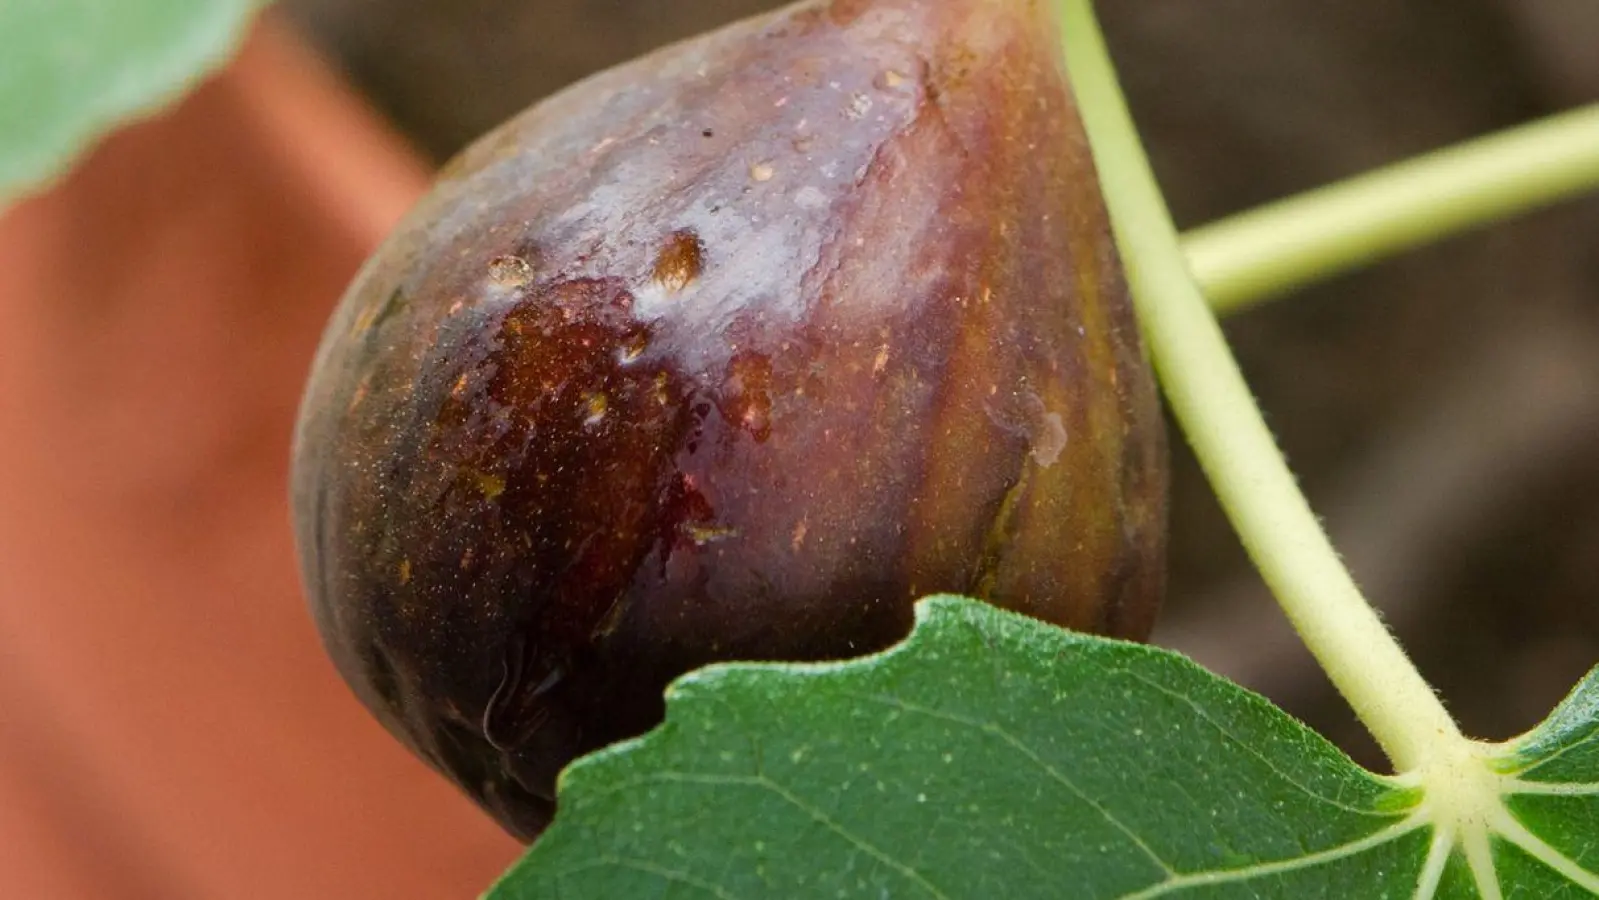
(1256, 255)
(1212, 403)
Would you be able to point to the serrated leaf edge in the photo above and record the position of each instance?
(1463, 801)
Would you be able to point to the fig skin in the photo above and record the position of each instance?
(730, 353)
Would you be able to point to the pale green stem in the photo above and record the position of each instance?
(1208, 395)
(1267, 251)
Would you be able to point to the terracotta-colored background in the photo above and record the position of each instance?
(169, 727)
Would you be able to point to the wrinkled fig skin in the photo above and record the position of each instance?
(729, 353)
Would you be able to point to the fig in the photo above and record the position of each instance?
(729, 353)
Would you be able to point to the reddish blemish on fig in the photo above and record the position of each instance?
(732, 352)
(634, 350)
(491, 486)
(890, 80)
(747, 393)
(680, 261)
(510, 271)
(595, 407)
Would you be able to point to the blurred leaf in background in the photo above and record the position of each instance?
(72, 70)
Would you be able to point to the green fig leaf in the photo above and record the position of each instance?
(994, 756)
(72, 70)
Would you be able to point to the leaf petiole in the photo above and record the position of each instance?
(1211, 401)
(1256, 255)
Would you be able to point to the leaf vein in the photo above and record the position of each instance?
(909, 873)
(765, 783)
(1021, 747)
(670, 876)
(1550, 788)
(1545, 760)
(1507, 826)
(1249, 750)
(1262, 870)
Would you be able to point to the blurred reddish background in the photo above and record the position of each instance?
(169, 727)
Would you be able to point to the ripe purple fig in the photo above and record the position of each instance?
(730, 353)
